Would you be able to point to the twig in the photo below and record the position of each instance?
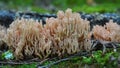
(49, 65)
(39, 64)
(11, 62)
(14, 63)
(64, 59)
(94, 44)
(114, 47)
(34, 59)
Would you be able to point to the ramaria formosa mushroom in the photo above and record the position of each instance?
(69, 32)
(110, 32)
(66, 34)
(25, 38)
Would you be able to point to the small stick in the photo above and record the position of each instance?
(14, 63)
(114, 47)
(104, 48)
(64, 59)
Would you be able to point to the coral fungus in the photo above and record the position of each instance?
(66, 34)
(110, 32)
(69, 32)
(25, 38)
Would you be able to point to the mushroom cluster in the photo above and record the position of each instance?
(109, 32)
(66, 34)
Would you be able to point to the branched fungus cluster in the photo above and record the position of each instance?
(69, 32)
(109, 32)
(66, 34)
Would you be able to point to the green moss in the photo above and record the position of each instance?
(76, 5)
(39, 10)
(102, 8)
(20, 66)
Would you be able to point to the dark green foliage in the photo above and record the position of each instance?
(97, 59)
(87, 60)
(19, 2)
(108, 59)
(76, 5)
(20, 66)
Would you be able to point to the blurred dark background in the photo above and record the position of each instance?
(51, 6)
